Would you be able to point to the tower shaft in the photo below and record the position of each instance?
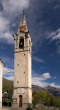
(22, 94)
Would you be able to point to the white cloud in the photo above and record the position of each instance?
(8, 71)
(54, 35)
(6, 59)
(10, 7)
(54, 85)
(4, 23)
(15, 5)
(41, 81)
(46, 76)
(4, 30)
(10, 78)
(6, 37)
(40, 60)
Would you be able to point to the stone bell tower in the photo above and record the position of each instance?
(22, 94)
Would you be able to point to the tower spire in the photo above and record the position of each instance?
(23, 24)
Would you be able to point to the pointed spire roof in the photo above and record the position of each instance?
(23, 24)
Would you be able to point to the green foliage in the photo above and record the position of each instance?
(8, 85)
(56, 101)
(44, 98)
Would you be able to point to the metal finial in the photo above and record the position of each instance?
(23, 15)
(23, 12)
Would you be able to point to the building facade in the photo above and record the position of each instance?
(22, 94)
(1, 74)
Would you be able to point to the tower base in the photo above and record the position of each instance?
(16, 107)
(22, 99)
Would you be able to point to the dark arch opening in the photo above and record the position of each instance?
(21, 43)
(20, 100)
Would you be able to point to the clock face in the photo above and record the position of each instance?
(21, 43)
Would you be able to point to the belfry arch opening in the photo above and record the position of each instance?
(21, 43)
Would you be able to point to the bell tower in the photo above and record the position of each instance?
(22, 93)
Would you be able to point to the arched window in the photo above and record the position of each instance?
(21, 43)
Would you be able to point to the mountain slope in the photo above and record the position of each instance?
(54, 91)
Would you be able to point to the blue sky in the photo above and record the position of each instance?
(43, 20)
